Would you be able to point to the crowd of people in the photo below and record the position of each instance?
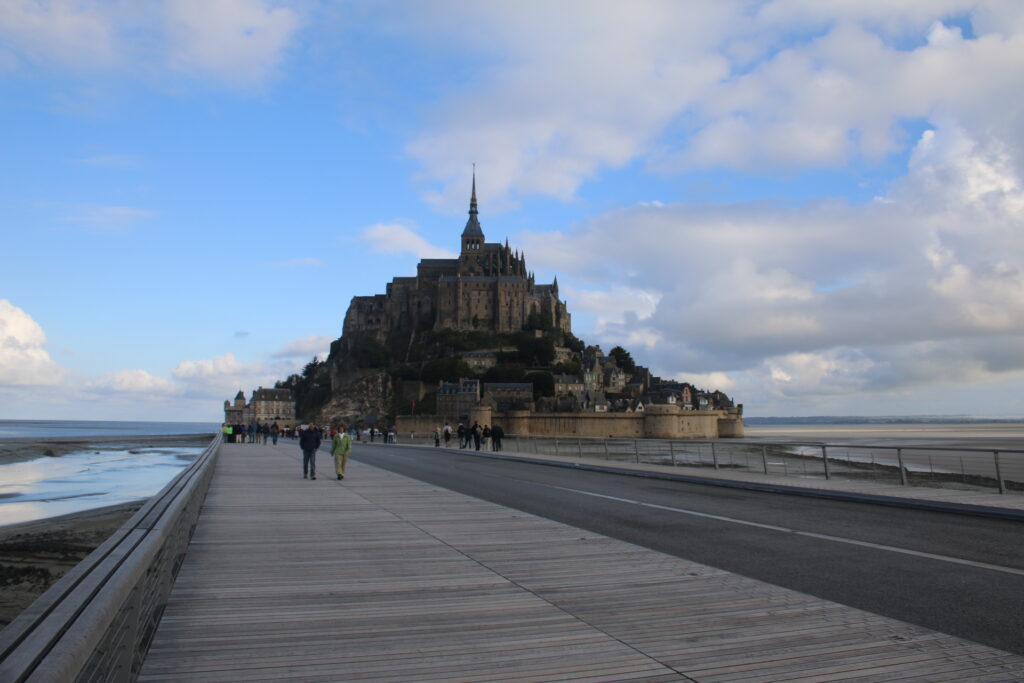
(256, 433)
(311, 437)
(478, 436)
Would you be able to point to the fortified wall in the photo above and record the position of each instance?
(657, 422)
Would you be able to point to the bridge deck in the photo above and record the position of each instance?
(381, 577)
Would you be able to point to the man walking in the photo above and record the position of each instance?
(341, 446)
(309, 442)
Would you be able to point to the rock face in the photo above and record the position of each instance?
(365, 396)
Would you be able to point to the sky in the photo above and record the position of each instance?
(816, 207)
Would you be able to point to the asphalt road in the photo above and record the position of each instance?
(951, 573)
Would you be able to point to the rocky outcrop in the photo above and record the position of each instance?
(360, 400)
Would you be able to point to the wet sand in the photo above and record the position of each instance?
(29, 448)
(34, 555)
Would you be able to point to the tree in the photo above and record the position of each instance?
(623, 358)
(543, 383)
(445, 370)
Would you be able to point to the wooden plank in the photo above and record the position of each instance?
(381, 577)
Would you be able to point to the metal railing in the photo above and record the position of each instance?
(908, 465)
(97, 621)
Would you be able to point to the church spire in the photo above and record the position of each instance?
(473, 235)
(472, 197)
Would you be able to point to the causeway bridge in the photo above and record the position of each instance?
(241, 570)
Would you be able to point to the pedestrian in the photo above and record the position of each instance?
(487, 436)
(309, 442)
(274, 429)
(437, 437)
(341, 446)
(461, 433)
(475, 430)
(497, 434)
(447, 434)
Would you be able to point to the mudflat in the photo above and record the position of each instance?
(29, 448)
(34, 555)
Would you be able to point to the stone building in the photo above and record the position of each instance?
(455, 401)
(508, 395)
(267, 406)
(487, 288)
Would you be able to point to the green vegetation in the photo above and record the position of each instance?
(623, 358)
(311, 389)
(543, 383)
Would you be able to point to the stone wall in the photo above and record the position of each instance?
(658, 422)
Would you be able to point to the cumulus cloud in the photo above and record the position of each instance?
(235, 41)
(136, 381)
(305, 348)
(24, 360)
(395, 238)
(780, 84)
(923, 286)
(220, 376)
(239, 43)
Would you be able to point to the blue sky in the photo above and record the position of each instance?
(815, 207)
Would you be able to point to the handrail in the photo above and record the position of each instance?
(96, 622)
(906, 463)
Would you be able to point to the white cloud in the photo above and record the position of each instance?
(235, 41)
(924, 287)
(395, 238)
(137, 382)
(220, 376)
(239, 43)
(306, 348)
(24, 360)
(784, 84)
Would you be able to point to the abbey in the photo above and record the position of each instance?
(487, 288)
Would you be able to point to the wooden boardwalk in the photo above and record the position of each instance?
(384, 578)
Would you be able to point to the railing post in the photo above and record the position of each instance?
(636, 451)
(714, 455)
(579, 448)
(672, 452)
(999, 472)
(606, 449)
(903, 470)
(824, 458)
(764, 458)
(556, 447)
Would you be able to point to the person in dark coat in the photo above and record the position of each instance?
(309, 442)
(476, 430)
(497, 434)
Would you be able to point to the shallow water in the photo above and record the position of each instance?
(48, 487)
(58, 428)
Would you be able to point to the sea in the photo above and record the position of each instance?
(45, 429)
(107, 472)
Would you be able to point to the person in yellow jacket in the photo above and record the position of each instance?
(341, 446)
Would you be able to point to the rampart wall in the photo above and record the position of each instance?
(657, 422)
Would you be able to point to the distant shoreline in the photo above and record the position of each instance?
(21, 448)
(880, 420)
